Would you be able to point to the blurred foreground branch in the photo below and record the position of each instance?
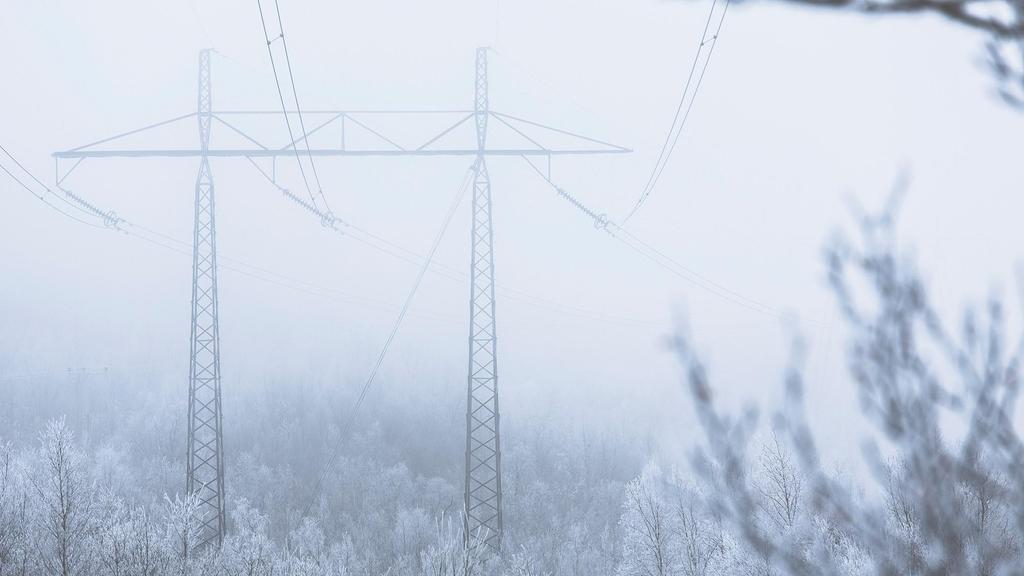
(1001, 21)
(938, 505)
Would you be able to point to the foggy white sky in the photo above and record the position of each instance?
(800, 112)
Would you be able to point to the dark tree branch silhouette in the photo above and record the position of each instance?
(1001, 21)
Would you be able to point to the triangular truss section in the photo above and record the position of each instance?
(261, 134)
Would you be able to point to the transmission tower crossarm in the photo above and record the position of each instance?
(136, 131)
(239, 131)
(614, 148)
(265, 153)
(447, 131)
(318, 128)
(523, 144)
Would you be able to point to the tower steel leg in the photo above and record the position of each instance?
(483, 448)
(205, 458)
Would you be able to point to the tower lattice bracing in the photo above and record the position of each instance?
(483, 448)
(520, 138)
(205, 464)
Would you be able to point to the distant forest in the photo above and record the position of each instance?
(99, 491)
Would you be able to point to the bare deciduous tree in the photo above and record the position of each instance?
(452, 555)
(183, 527)
(12, 509)
(66, 501)
(699, 537)
(781, 487)
(648, 548)
(941, 501)
(248, 547)
(127, 542)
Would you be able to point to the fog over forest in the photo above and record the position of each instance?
(456, 288)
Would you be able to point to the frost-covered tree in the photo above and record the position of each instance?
(127, 541)
(248, 549)
(183, 524)
(451, 555)
(702, 549)
(65, 501)
(780, 486)
(649, 544)
(14, 552)
(951, 493)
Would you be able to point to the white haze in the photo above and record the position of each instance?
(800, 113)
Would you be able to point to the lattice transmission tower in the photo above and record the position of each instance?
(204, 476)
(483, 438)
(356, 137)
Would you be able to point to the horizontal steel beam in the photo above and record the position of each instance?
(353, 112)
(289, 152)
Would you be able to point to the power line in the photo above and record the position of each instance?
(679, 109)
(387, 343)
(284, 106)
(374, 241)
(291, 79)
(10, 378)
(271, 277)
(159, 239)
(23, 169)
(266, 275)
(298, 109)
(689, 107)
(657, 256)
(38, 195)
(404, 254)
(677, 268)
(676, 128)
(327, 219)
(78, 206)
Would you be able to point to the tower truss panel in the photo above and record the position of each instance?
(205, 458)
(483, 447)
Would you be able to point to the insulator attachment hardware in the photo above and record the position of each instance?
(329, 220)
